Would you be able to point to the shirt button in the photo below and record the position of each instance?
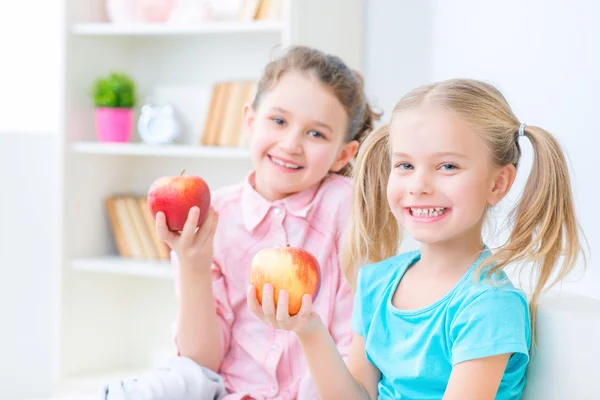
(273, 390)
(274, 346)
(277, 211)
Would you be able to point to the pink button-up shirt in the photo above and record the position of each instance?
(260, 361)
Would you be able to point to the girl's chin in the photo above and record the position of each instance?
(278, 189)
(429, 240)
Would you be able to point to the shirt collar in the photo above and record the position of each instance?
(255, 207)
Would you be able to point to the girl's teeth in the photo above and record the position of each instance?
(284, 164)
(428, 212)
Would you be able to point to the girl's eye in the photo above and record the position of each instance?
(405, 166)
(278, 121)
(448, 167)
(316, 134)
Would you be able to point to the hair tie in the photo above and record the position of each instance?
(522, 129)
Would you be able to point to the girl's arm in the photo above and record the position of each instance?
(477, 379)
(198, 333)
(332, 377)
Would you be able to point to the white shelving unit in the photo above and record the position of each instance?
(124, 266)
(108, 29)
(116, 313)
(140, 149)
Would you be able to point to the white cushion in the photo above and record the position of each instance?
(566, 361)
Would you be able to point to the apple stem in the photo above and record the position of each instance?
(182, 172)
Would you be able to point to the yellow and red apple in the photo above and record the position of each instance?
(291, 269)
(175, 195)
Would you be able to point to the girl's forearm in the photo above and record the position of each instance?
(329, 371)
(198, 333)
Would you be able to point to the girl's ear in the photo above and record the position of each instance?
(344, 156)
(503, 181)
(248, 117)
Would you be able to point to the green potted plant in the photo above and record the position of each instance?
(114, 99)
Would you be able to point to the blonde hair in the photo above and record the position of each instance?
(331, 71)
(544, 223)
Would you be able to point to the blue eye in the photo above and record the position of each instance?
(316, 134)
(278, 121)
(404, 166)
(448, 167)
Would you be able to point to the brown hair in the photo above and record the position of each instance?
(347, 85)
(544, 223)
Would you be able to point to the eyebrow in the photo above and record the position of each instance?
(319, 123)
(438, 154)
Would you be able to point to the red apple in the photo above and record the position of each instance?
(175, 195)
(287, 268)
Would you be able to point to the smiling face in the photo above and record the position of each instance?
(297, 136)
(442, 177)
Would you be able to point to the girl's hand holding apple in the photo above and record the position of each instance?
(284, 282)
(193, 246)
(184, 219)
(277, 314)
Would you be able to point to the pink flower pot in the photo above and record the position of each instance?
(156, 11)
(114, 124)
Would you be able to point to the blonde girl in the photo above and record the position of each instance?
(443, 321)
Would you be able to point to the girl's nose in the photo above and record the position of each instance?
(291, 142)
(420, 184)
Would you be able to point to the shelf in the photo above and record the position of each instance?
(125, 266)
(140, 149)
(109, 29)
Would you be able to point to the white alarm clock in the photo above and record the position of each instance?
(158, 124)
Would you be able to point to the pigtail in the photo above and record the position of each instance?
(373, 233)
(545, 226)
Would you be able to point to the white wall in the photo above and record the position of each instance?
(544, 56)
(30, 33)
(397, 49)
(29, 247)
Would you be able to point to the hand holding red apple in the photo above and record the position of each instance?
(175, 195)
(184, 219)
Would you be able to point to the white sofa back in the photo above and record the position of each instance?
(566, 362)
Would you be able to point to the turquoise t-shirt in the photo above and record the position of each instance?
(415, 350)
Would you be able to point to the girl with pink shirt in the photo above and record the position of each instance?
(305, 125)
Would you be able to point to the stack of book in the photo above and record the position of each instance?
(133, 228)
(223, 124)
(260, 10)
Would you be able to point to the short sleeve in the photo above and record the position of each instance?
(372, 283)
(496, 322)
